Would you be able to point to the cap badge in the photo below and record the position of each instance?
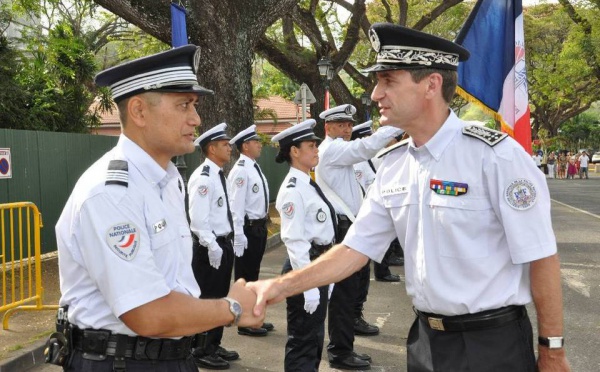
(374, 40)
(196, 60)
(348, 110)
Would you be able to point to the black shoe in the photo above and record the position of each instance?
(212, 361)
(350, 362)
(227, 355)
(365, 357)
(255, 332)
(268, 326)
(396, 261)
(362, 328)
(389, 278)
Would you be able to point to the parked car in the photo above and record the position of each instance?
(596, 158)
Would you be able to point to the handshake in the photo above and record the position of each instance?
(253, 297)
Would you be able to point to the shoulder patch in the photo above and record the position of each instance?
(117, 173)
(387, 150)
(241, 162)
(291, 182)
(490, 136)
(205, 170)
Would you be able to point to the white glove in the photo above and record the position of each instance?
(240, 242)
(330, 290)
(311, 300)
(214, 256)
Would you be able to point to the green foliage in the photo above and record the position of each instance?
(268, 81)
(13, 98)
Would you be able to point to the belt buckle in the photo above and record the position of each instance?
(436, 323)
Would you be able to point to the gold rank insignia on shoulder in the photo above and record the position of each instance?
(448, 187)
(487, 135)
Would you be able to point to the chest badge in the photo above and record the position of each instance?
(448, 187)
(520, 194)
(220, 202)
(255, 188)
(321, 215)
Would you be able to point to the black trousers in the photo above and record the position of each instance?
(508, 347)
(383, 269)
(79, 364)
(213, 283)
(248, 266)
(305, 332)
(364, 280)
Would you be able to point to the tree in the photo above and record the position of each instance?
(227, 32)
(559, 80)
(13, 97)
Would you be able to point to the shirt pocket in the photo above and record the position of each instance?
(460, 224)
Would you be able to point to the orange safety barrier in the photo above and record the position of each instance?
(20, 259)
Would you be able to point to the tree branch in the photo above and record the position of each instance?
(436, 12)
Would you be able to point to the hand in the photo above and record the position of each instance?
(214, 257)
(269, 292)
(247, 298)
(551, 360)
(311, 300)
(330, 290)
(240, 244)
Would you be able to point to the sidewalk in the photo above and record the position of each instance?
(23, 345)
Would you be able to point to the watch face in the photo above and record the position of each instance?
(236, 308)
(555, 343)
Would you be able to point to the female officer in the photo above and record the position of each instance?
(308, 230)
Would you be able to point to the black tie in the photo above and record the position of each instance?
(372, 166)
(264, 187)
(331, 210)
(229, 217)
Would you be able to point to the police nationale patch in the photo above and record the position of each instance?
(220, 202)
(124, 240)
(239, 182)
(288, 210)
(321, 215)
(520, 194)
(255, 188)
(203, 190)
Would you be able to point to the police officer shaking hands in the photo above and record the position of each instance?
(124, 244)
(472, 213)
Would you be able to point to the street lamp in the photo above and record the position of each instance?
(365, 99)
(326, 71)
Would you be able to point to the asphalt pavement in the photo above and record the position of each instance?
(576, 221)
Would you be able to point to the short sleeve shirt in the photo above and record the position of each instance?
(469, 216)
(123, 239)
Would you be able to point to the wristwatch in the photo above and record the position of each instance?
(236, 310)
(552, 342)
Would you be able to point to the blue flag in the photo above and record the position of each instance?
(178, 26)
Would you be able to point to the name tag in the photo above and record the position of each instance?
(395, 190)
(159, 226)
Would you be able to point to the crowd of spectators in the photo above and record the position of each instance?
(563, 164)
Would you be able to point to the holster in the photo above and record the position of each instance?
(59, 345)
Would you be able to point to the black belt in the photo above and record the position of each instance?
(97, 344)
(225, 238)
(472, 322)
(317, 249)
(257, 222)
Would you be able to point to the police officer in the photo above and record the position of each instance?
(472, 213)
(365, 174)
(307, 230)
(213, 230)
(250, 209)
(335, 172)
(123, 239)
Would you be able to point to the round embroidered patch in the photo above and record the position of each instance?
(255, 188)
(124, 240)
(288, 210)
(520, 194)
(203, 190)
(239, 182)
(220, 202)
(321, 215)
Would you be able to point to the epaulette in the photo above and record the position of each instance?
(241, 162)
(291, 182)
(395, 146)
(118, 173)
(487, 135)
(205, 171)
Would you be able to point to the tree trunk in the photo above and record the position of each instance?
(227, 32)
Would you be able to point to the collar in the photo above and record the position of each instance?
(247, 159)
(300, 176)
(442, 138)
(148, 167)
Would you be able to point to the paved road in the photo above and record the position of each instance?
(576, 216)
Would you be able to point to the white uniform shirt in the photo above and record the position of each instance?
(208, 205)
(336, 160)
(120, 246)
(364, 175)
(466, 253)
(305, 217)
(245, 186)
